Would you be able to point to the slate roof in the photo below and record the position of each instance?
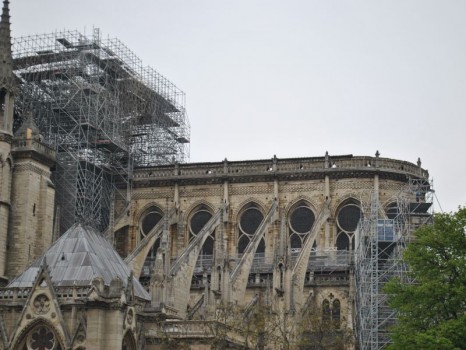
(76, 258)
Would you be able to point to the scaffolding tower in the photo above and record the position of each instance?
(103, 112)
(381, 239)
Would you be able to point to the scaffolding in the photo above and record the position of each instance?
(103, 112)
(381, 239)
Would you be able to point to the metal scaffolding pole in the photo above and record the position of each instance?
(103, 112)
(381, 239)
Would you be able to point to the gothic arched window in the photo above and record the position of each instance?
(149, 220)
(300, 223)
(249, 222)
(326, 312)
(331, 312)
(128, 342)
(392, 210)
(2, 101)
(198, 220)
(336, 313)
(348, 216)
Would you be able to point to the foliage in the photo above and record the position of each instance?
(432, 311)
(320, 333)
(263, 328)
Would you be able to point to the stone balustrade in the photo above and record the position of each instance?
(33, 145)
(14, 293)
(22, 293)
(195, 329)
(280, 166)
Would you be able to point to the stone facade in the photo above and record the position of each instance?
(26, 192)
(197, 271)
(6, 164)
(234, 236)
(32, 203)
(7, 93)
(245, 254)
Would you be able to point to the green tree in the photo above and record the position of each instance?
(432, 310)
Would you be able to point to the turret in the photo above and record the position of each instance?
(32, 198)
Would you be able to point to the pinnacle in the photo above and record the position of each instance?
(6, 65)
(5, 33)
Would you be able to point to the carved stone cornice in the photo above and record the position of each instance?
(30, 167)
(294, 169)
(282, 176)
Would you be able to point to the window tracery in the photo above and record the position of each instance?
(149, 220)
(41, 338)
(300, 223)
(331, 312)
(198, 220)
(348, 216)
(249, 222)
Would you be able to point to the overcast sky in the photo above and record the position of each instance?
(298, 78)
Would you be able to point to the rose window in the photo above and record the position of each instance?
(41, 338)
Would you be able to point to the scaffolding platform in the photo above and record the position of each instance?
(103, 112)
(380, 243)
(419, 208)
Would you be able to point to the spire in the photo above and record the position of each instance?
(5, 32)
(6, 60)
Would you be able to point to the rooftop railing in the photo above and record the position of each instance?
(279, 166)
(33, 145)
(22, 293)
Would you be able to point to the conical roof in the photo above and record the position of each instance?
(79, 256)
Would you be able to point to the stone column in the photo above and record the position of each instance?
(5, 185)
(327, 225)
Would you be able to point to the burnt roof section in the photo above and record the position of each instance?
(79, 256)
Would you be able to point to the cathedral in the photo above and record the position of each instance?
(255, 254)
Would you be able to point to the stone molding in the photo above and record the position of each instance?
(31, 167)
